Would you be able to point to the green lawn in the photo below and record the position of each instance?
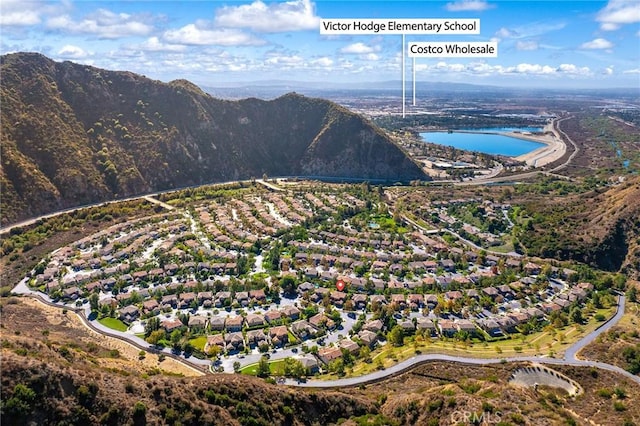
(113, 323)
(292, 339)
(539, 343)
(199, 342)
(276, 367)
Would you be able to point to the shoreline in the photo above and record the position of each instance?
(553, 150)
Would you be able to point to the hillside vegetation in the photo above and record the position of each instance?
(75, 134)
(600, 227)
(54, 371)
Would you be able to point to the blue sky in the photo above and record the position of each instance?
(562, 44)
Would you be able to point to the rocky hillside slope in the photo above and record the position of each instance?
(54, 371)
(75, 134)
(600, 228)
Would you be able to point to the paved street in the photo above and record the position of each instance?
(569, 358)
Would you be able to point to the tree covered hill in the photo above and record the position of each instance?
(74, 134)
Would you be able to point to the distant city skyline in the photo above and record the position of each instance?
(554, 44)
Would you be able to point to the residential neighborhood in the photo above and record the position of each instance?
(316, 275)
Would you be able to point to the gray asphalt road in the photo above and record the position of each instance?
(569, 359)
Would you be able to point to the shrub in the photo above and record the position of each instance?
(487, 408)
(517, 418)
(139, 413)
(619, 406)
(19, 405)
(435, 405)
(605, 393)
(620, 393)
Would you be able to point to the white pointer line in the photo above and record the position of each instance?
(403, 78)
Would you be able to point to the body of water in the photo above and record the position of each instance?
(482, 142)
(506, 129)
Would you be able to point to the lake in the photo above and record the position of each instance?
(506, 129)
(483, 142)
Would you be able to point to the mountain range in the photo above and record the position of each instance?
(74, 134)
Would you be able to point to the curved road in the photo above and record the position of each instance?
(569, 359)
(201, 365)
(575, 147)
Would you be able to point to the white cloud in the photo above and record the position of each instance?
(598, 43)
(632, 71)
(443, 66)
(103, 24)
(72, 52)
(357, 48)
(153, 44)
(573, 69)
(506, 33)
(618, 13)
(19, 13)
(295, 15)
(197, 34)
(527, 45)
(468, 5)
(285, 60)
(532, 69)
(530, 30)
(484, 69)
(370, 57)
(608, 70)
(324, 62)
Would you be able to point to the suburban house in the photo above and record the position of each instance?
(303, 329)
(368, 337)
(128, 314)
(216, 323)
(279, 335)
(234, 324)
(329, 353)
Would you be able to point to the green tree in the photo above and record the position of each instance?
(153, 324)
(294, 368)
(155, 337)
(272, 259)
(214, 351)
(93, 302)
(176, 339)
(289, 285)
(396, 336)
(576, 315)
(365, 353)
(337, 366)
(632, 294)
(19, 406)
(243, 265)
(263, 369)
(632, 356)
